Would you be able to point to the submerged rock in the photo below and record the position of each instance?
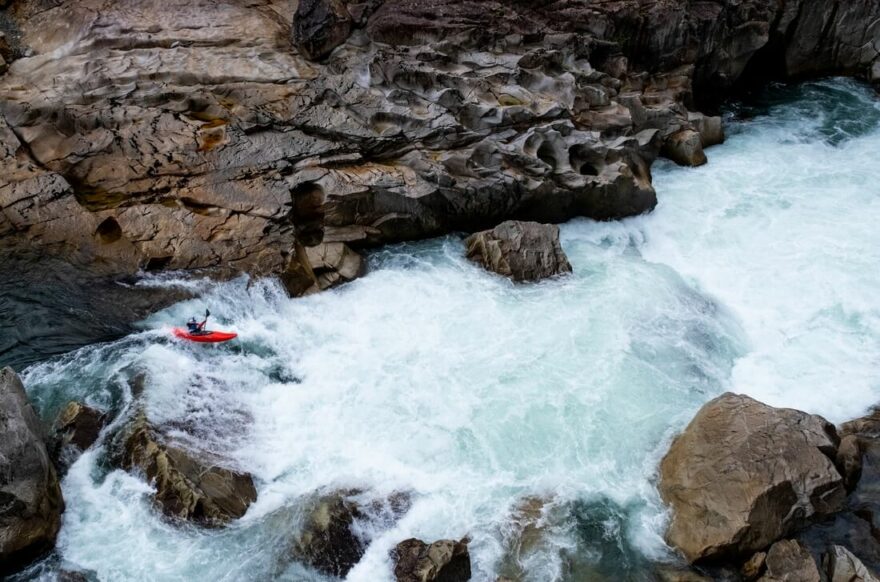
(187, 487)
(743, 475)
(789, 561)
(75, 430)
(523, 251)
(30, 495)
(441, 561)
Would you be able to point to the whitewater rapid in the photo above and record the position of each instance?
(756, 273)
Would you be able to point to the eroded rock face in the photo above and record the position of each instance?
(178, 135)
(744, 474)
(523, 251)
(30, 496)
(441, 561)
(187, 487)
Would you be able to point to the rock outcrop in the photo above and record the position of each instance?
(30, 495)
(523, 251)
(744, 475)
(76, 429)
(441, 561)
(188, 486)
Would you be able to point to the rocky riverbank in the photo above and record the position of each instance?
(279, 137)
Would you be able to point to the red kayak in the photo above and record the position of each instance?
(205, 337)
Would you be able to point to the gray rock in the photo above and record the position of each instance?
(789, 561)
(30, 496)
(843, 566)
(849, 460)
(319, 26)
(523, 251)
(441, 561)
(743, 475)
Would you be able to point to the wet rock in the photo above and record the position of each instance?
(842, 566)
(30, 496)
(441, 561)
(188, 487)
(672, 574)
(332, 539)
(75, 430)
(754, 566)
(685, 148)
(319, 26)
(789, 561)
(778, 476)
(710, 128)
(523, 251)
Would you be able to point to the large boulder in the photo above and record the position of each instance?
(188, 486)
(319, 26)
(743, 475)
(76, 429)
(320, 267)
(789, 561)
(523, 251)
(441, 561)
(30, 495)
(685, 148)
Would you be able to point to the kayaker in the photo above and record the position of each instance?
(195, 327)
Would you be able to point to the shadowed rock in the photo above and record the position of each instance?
(743, 475)
(441, 561)
(319, 26)
(30, 496)
(187, 487)
(523, 251)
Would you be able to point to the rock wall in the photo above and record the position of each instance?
(179, 134)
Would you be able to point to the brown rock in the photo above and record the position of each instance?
(30, 496)
(685, 148)
(789, 561)
(319, 26)
(321, 267)
(523, 251)
(843, 566)
(441, 561)
(743, 475)
(754, 567)
(710, 128)
(187, 487)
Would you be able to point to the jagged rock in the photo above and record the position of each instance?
(30, 496)
(330, 540)
(187, 487)
(319, 26)
(789, 561)
(685, 148)
(523, 251)
(842, 566)
(754, 566)
(441, 561)
(743, 475)
(76, 429)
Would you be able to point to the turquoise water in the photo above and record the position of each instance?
(756, 273)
